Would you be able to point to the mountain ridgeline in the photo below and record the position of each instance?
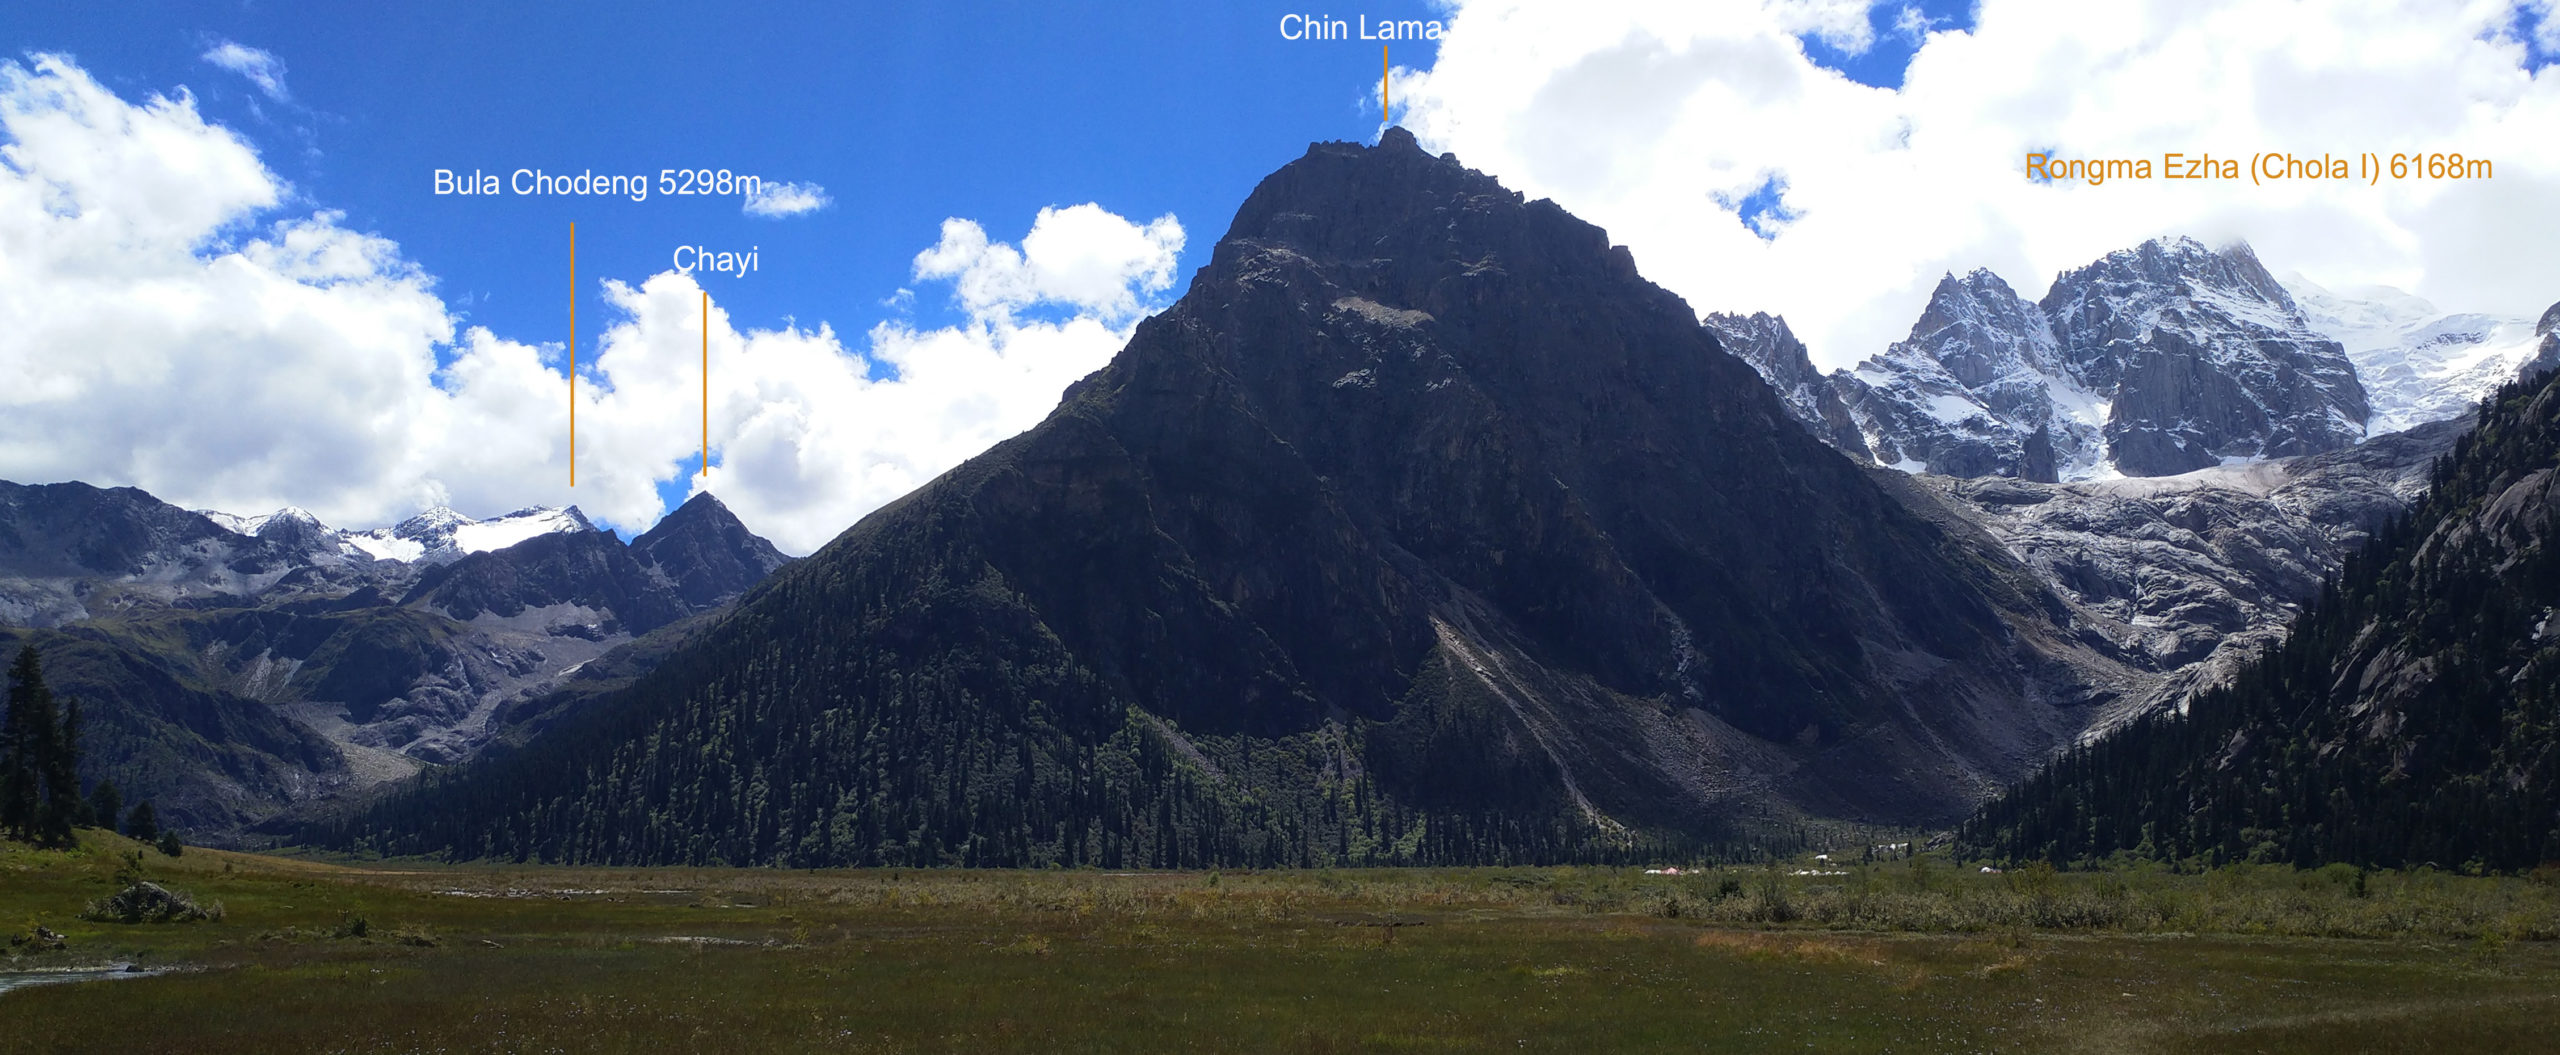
(1421, 528)
(233, 668)
(2411, 718)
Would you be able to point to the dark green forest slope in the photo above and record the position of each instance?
(2409, 720)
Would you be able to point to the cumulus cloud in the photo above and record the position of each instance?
(1660, 119)
(773, 201)
(805, 439)
(165, 329)
(1082, 258)
(261, 67)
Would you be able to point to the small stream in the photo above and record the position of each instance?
(113, 972)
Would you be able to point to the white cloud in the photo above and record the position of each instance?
(776, 200)
(1647, 117)
(163, 330)
(1841, 24)
(262, 68)
(1081, 257)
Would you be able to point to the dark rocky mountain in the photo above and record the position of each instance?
(2408, 719)
(705, 553)
(1420, 528)
(70, 551)
(232, 666)
(76, 529)
(587, 570)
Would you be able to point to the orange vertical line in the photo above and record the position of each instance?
(706, 382)
(1385, 72)
(573, 353)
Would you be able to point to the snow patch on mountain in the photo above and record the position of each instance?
(516, 527)
(2418, 364)
(438, 535)
(2151, 361)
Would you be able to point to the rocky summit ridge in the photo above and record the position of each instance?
(2158, 360)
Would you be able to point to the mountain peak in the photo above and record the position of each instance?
(1409, 449)
(703, 503)
(438, 519)
(705, 552)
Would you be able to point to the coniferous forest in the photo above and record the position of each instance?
(963, 735)
(2409, 719)
(40, 798)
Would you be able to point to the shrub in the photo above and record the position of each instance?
(148, 902)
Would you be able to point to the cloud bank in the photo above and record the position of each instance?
(163, 326)
(1672, 122)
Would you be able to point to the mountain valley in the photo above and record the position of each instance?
(238, 666)
(1421, 529)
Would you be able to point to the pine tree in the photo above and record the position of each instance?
(106, 804)
(143, 823)
(64, 808)
(27, 736)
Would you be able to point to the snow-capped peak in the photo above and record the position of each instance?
(439, 534)
(504, 531)
(254, 525)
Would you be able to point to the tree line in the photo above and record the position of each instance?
(2411, 718)
(915, 713)
(40, 797)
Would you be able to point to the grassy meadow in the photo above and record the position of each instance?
(1913, 957)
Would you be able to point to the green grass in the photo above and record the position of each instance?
(659, 960)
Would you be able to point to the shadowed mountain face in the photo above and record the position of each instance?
(1419, 490)
(705, 553)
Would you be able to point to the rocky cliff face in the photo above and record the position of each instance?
(2204, 357)
(1764, 341)
(1979, 389)
(232, 666)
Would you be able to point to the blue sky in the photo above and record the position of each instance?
(1826, 160)
(906, 113)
